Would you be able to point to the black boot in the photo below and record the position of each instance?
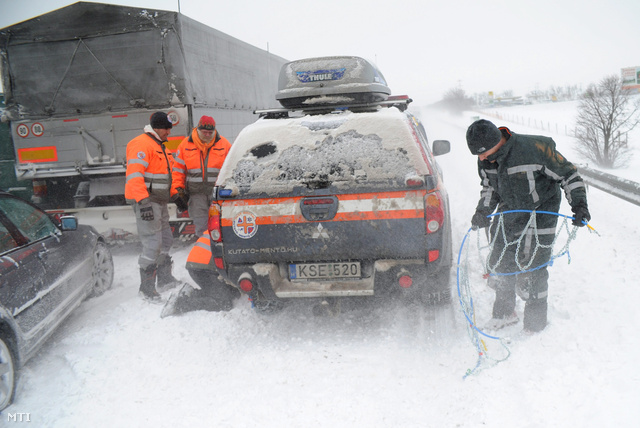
(212, 295)
(166, 281)
(535, 315)
(179, 302)
(148, 284)
(505, 302)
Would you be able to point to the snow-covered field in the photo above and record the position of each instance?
(116, 363)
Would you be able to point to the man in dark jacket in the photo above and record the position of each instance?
(522, 172)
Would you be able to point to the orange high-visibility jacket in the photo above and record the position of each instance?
(149, 166)
(200, 255)
(195, 171)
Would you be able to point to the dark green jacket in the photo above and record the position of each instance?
(527, 174)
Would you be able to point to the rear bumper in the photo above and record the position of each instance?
(379, 278)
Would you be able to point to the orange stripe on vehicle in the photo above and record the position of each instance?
(350, 197)
(379, 215)
(38, 154)
(351, 216)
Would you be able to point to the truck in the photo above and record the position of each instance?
(80, 82)
(334, 196)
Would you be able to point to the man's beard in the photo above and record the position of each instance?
(207, 139)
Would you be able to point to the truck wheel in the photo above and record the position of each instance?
(102, 273)
(8, 375)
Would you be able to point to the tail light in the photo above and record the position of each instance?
(414, 181)
(214, 227)
(318, 201)
(434, 211)
(245, 283)
(405, 281)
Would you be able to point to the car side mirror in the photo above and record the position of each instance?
(441, 147)
(68, 223)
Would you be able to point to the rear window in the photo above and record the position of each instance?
(342, 150)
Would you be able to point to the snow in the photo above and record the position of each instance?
(116, 363)
(340, 148)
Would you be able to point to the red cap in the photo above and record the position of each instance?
(207, 122)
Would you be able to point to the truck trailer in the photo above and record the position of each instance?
(80, 82)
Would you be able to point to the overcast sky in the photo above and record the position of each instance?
(425, 47)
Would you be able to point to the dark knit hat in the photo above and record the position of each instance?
(160, 120)
(207, 122)
(482, 135)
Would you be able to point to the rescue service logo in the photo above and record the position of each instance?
(141, 155)
(320, 75)
(244, 225)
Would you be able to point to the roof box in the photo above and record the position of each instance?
(329, 81)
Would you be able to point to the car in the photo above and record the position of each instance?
(48, 266)
(335, 195)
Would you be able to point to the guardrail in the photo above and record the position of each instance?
(616, 186)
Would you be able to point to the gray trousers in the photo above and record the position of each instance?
(155, 235)
(199, 211)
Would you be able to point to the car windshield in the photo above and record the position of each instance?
(31, 222)
(340, 150)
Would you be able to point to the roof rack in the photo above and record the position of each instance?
(401, 102)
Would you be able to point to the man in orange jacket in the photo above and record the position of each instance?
(198, 160)
(147, 189)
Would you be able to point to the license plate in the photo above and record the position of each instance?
(300, 271)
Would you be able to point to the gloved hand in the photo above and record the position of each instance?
(580, 215)
(146, 211)
(183, 194)
(181, 200)
(181, 204)
(480, 221)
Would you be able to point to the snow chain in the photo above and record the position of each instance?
(464, 270)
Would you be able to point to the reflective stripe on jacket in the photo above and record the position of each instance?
(195, 171)
(200, 255)
(149, 167)
(528, 173)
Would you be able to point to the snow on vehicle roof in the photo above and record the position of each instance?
(338, 148)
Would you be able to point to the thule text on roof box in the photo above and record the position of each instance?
(330, 80)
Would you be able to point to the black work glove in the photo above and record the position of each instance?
(183, 194)
(146, 211)
(181, 204)
(580, 215)
(181, 200)
(480, 221)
